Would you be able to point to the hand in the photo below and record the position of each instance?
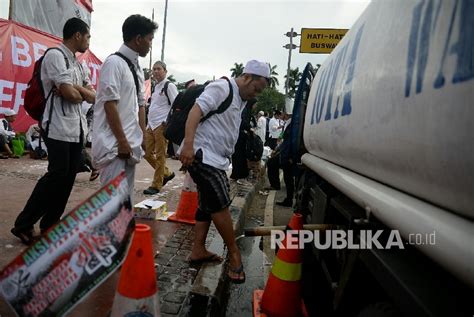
(187, 155)
(57, 92)
(124, 150)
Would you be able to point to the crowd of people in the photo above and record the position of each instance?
(124, 129)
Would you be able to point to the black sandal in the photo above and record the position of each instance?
(25, 237)
(238, 271)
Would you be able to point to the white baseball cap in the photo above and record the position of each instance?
(257, 68)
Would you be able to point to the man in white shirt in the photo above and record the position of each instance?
(119, 113)
(155, 142)
(62, 124)
(261, 126)
(206, 151)
(275, 126)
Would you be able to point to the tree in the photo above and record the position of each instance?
(269, 100)
(294, 79)
(273, 79)
(237, 70)
(147, 73)
(180, 86)
(171, 79)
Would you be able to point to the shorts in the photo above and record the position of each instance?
(212, 186)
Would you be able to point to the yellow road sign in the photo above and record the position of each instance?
(320, 41)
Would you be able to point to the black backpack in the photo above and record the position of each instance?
(176, 121)
(253, 148)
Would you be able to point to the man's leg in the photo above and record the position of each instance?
(150, 148)
(289, 181)
(73, 159)
(223, 222)
(199, 250)
(160, 151)
(273, 171)
(213, 187)
(50, 189)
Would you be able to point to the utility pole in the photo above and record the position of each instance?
(289, 47)
(151, 48)
(164, 33)
(10, 10)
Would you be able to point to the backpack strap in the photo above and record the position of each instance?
(224, 105)
(52, 88)
(132, 69)
(165, 90)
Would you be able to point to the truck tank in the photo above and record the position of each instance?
(394, 101)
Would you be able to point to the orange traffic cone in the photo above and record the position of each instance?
(282, 295)
(137, 292)
(188, 203)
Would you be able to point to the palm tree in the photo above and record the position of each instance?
(273, 79)
(294, 78)
(237, 70)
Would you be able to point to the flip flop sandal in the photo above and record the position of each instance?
(238, 271)
(211, 258)
(94, 176)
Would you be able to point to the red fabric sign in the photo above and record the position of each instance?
(20, 47)
(86, 4)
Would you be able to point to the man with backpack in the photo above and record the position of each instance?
(206, 151)
(119, 113)
(155, 142)
(67, 86)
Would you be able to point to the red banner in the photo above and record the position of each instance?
(20, 47)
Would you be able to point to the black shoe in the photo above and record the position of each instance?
(25, 236)
(285, 203)
(151, 191)
(168, 178)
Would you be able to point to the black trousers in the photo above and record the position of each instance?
(272, 143)
(288, 177)
(51, 193)
(240, 168)
(273, 171)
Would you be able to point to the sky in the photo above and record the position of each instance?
(204, 38)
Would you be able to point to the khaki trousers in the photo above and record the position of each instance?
(156, 145)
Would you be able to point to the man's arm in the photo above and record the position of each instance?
(113, 118)
(87, 93)
(187, 152)
(70, 93)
